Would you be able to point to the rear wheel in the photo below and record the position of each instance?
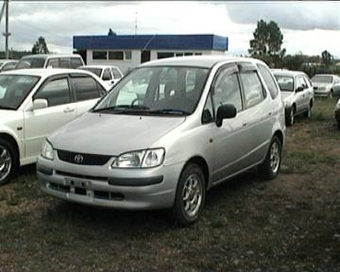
(269, 169)
(190, 195)
(8, 162)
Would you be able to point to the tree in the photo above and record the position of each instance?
(111, 33)
(327, 58)
(40, 46)
(267, 42)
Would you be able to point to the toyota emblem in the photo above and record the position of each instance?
(78, 158)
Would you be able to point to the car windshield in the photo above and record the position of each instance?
(322, 79)
(286, 83)
(166, 90)
(30, 63)
(96, 71)
(14, 89)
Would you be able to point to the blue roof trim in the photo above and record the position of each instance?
(152, 42)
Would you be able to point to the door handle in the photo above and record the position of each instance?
(67, 110)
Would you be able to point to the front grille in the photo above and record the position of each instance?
(96, 194)
(82, 158)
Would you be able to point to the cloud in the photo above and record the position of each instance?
(295, 15)
(302, 23)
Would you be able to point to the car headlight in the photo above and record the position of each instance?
(47, 150)
(140, 159)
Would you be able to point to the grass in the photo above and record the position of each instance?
(289, 224)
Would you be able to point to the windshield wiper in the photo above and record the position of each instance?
(170, 111)
(123, 108)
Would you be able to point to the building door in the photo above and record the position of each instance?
(145, 56)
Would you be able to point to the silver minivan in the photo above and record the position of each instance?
(166, 133)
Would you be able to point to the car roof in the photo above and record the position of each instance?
(284, 72)
(44, 56)
(98, 66)
(206, 61)
(44, 72)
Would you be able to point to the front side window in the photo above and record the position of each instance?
(14, 89)
(107, 74)
(252, 88)
(168, 90)
(53, 63)
(56, 92)
(226, 90)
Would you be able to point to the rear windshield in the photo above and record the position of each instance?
(286, 83)
(30, 63)
(322, 79)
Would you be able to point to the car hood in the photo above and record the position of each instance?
(9, 116)
(112, 134)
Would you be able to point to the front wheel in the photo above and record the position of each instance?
(290, 117)
(308, 112)
(190, 195)
(8, 162)
(269, 169)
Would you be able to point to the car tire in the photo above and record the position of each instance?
(8, 162)
(270, 168)
(290, 118)
(308, 112)
(190, 195)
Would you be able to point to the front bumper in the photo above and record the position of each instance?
(135, 189)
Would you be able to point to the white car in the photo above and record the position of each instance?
(109, 74)
(33, 103)
(297, 93)
(326, 85)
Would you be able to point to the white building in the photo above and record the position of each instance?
(128, 51)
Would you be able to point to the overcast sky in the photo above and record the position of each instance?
(307, 27)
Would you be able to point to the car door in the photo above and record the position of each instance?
(229, 140)
(86, 91)
(38, 123)
(302, 97)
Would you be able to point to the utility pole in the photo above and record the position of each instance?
(6, 34)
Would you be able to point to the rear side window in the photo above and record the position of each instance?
(269, 80)
(252, 88)
(86, 88)
(56, 92)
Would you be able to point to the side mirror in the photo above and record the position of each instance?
(299, 89)
(40, 104)
(224, 112)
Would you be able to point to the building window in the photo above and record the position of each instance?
(188, 54)
(99, 55)
(116, 55)
(179, 54)
(162, 55)
(128, 55)
(198, 54)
